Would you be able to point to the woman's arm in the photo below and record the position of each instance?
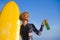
(38, 32)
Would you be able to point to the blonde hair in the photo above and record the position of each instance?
(22, 15)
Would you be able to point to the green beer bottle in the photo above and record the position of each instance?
(47, 25)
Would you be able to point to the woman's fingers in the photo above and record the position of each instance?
(43, 23)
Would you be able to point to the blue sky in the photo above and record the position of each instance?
(38, 11)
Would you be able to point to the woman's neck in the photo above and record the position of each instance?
(24, 23)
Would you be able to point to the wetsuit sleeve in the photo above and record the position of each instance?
(38, 32)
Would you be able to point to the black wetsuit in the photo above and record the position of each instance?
(26, 31)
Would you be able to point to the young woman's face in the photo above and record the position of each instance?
(26, 17)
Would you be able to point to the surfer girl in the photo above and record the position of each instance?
(27, 28)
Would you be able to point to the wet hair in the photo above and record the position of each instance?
(22, 15)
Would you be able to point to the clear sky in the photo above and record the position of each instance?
(38, 11)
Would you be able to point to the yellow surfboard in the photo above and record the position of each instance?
(9, 22)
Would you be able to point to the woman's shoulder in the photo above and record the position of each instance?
(31, 24)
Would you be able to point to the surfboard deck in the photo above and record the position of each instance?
(9, 22)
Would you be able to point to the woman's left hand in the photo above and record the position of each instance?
(43, 23)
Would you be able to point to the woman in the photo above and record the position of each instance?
(27, 28)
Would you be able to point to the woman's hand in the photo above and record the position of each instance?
(43, 23)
